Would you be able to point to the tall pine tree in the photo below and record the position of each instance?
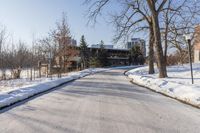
(103, 55)
(136, 56)
(84, 53)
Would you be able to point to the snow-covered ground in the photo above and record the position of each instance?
(24, 81)
(178, 84)
(12, 91)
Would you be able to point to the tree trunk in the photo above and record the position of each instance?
(159, 51)
(166, 42)
(151, 51)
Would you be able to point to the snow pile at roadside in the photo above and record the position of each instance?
(8, 98)
(177, 85)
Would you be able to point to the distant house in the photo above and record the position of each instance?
(197, 44)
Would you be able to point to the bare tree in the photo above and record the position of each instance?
(155, 9)
(2, 42)
(179, 20)
(62, 37)
(17, 58)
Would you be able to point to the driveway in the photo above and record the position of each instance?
(101, 103)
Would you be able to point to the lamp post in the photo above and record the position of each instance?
(50, 58)
(188, 38)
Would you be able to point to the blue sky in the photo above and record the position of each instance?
(25, 18)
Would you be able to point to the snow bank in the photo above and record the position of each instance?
(19, 94)
(177, 85)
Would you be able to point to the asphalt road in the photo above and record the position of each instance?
(101, 103)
